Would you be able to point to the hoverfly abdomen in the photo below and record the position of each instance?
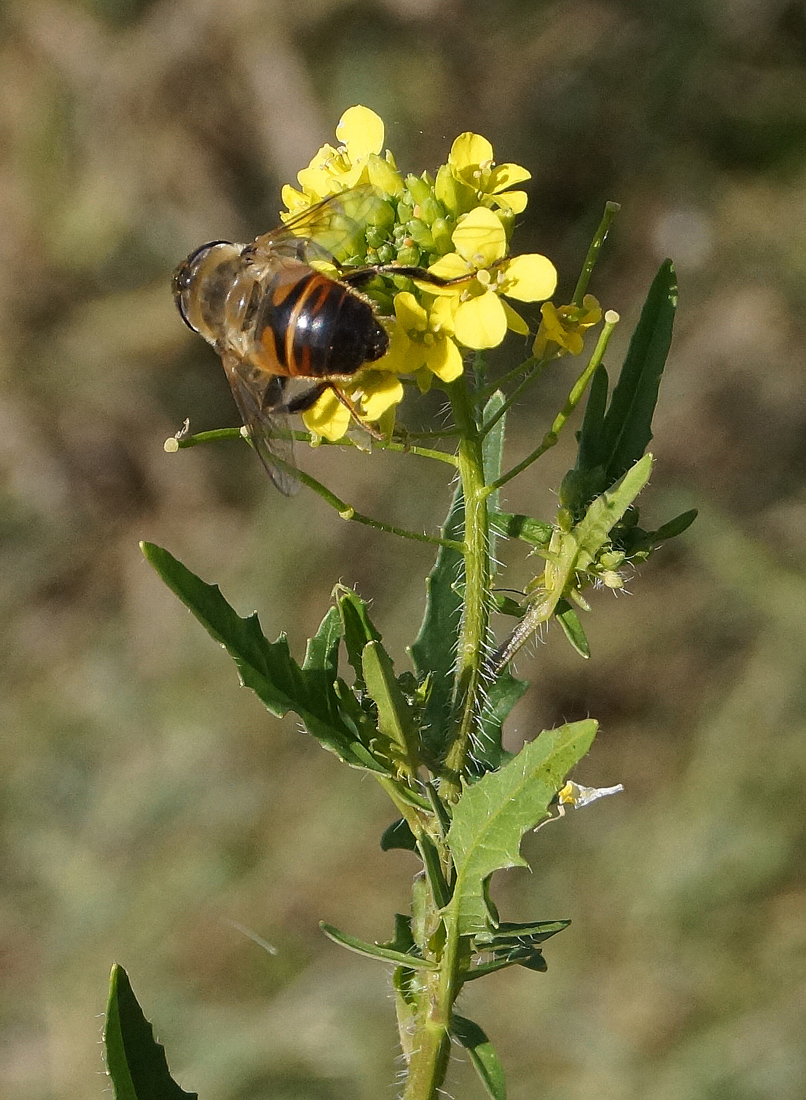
(314, 327)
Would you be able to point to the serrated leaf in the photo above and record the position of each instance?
(627, 428)
(482, 1055)
(568, 619)
(135, 1060)
(395, 717)
(265, 667)
(492, 815)
(375, 950)
(434, 651)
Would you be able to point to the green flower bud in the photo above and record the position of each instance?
(417, 188)
(421, 234)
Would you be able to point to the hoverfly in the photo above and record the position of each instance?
(272, 318)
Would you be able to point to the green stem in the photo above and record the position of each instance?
(573, 399)
(346, 511)
(473, 633)
(428, 1063)
(610, 211)
(180, 443)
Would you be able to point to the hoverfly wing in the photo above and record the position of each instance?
(259, 397)
(333, 229)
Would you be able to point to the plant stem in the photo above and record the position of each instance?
(473, 633)
(610, 211)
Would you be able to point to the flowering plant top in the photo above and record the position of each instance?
(457, 225)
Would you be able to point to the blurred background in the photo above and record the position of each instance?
(151, 807)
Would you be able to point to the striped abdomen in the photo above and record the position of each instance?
(307, 325)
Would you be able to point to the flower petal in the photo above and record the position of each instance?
(470, 150)
(504, 176)
(515, 201)
(514, 320)
(409, 313)
(481, 321)
(451, 266)
(361, 130)
(445, 360)
(479, 237)
(381, 392)
(327, 417)
(529, 278)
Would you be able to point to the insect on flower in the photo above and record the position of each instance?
(276, 321)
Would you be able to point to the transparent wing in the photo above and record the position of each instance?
(332, 229)
(260, 398)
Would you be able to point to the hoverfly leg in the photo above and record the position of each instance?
(309, 398)
(305, 400)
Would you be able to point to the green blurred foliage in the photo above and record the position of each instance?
(147, 801)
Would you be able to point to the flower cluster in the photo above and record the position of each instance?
(455, 225)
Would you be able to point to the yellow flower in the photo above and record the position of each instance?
(356, 160)
(481, 319)
(471, 166)
(562, 328)
(374, 393)
(422, 341)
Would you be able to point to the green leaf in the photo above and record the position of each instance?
(357, 628)
(517, 526)
(492, 815)
(674, 527)
(135, 1060)
(267, 667)
(322, 653)
(434, 651)
(568, 619)
(433, 871)
(593, 530)
(375, 950)
(627, 426)
(515, 933)
(398, 835)
(502, 695)
(395, 718)
(482, 1055)
(592, 443)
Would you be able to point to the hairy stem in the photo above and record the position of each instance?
(473, 633)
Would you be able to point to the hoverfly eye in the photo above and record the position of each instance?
(185, 274)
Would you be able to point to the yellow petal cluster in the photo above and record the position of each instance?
(457, 226)
(562, 329)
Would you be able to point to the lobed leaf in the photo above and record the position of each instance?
(267, 667)
(492, 815)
